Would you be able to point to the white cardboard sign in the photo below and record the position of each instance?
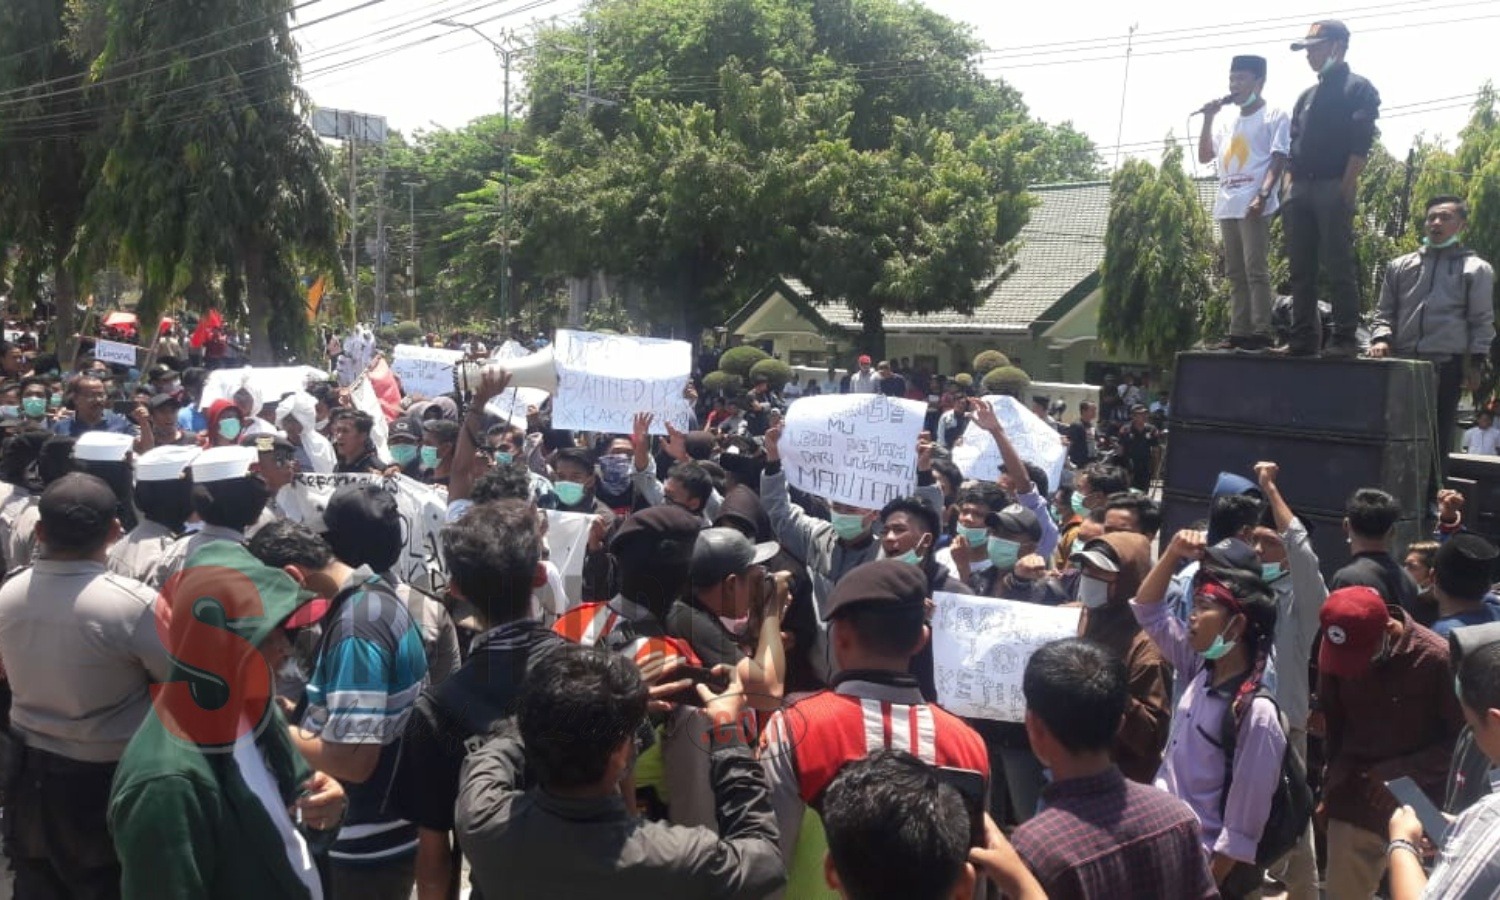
(1038, 443)
(603, 380)
(859, 449)
(512, 404)
(422, 509)
(114, 352)
(424, 371)
(272, 382)
(980, 647)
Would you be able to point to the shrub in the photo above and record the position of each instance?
(1007, 380)
(409, 332)
(721, 382)
(988, 361)
(964, 380)
(774, 370)
(740, 360)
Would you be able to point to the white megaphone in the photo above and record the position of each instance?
(538, 370)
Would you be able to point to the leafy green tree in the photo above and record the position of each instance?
(207, 163)
(1158, 253)
(45, 173)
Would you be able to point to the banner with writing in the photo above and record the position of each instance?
(424, 371)
(422, 510)
(859, 449)
(1038, 443)
(513, 404)
(271, 382)
(567, 547)
(114, 352)
(603, 380)
(980, 647)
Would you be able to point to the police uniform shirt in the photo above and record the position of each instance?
(22, 543)
(80, 646)
(138, 553)
(177, 553)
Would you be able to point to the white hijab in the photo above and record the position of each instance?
(302, 407)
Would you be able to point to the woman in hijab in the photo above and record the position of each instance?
(297, 415)
(224, 425)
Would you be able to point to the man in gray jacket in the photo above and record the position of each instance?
(570, 834)
(1437, 304)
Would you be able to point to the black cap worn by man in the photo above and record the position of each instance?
(721, 552)
(1322, 32)
(1016, 519)
(1233, 553)
(884, 582)
(76, 509)
(1253, 65)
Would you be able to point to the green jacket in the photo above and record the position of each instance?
(188, 823)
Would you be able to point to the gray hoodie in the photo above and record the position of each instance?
(1437, 303)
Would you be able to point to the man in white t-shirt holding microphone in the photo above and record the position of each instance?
(1251, 152)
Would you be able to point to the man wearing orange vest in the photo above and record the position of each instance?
(876, 624)
(652, 549)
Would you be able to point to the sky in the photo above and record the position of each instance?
(385, 57)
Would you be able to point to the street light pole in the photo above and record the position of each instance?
(411, 251)
(504, 51)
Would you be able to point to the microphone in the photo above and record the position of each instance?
(1223, 101)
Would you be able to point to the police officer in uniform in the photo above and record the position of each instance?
(228, 495)
(79, 645)
(164, 495)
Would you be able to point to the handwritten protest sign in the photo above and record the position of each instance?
(1038, 443)
(513, 403)
(427, 371)
(271, 382)
(421, 508)
(603, 380)
(980, 647)
(114, 352)
(509, 350)
(859, 449)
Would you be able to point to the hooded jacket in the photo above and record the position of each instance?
(191, 823)
(317, 449)
(1437, 302)
(1148, 713)
(217, 411)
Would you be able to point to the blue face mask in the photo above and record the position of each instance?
(35, 407)
(1269, 572)
(975, 536)
(430, 457)
(1250, 100)
(1003, 553)
(504, 458)
(614, 471)
(1218, 648)
(403, 454)
(848, 526)
(229, 429)
(1445, 244)
(569, 493)
(1077, 503)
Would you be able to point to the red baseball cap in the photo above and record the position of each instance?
(864, 360)
(1354, 620)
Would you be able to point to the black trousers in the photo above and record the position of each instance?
(1319, 228)
(57, 837)
(1450, 387)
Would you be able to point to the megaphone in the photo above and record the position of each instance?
(538, 370)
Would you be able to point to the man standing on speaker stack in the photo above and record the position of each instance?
(1333, 128)
(1251, 153)
(1437, 304)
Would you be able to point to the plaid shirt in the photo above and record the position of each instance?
(1105, 836)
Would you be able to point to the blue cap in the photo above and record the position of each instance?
(1230, 483)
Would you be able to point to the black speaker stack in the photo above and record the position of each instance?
(1333, 426)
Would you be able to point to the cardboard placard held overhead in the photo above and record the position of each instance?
(603, 380)
(272, 383)
(424, 371)
(115, 352)
(859, 449)
(1038, 443)
(512, 404)
(980, 647)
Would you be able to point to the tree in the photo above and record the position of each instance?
(207, 162)
(45, 120)
(1158, 252)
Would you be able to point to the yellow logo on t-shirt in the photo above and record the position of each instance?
(1238, 150)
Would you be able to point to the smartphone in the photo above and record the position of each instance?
(124, 407)
(1433, 822)
(970, 786)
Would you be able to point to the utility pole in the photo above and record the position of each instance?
(411, 250)
(1124, 87)
(356, 128)
(353, 224)
(381, 243)
(505, 50)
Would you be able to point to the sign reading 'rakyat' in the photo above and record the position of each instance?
(603, 380)
(859, 449)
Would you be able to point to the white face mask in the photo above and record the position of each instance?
(735, 627)
(1092, 592)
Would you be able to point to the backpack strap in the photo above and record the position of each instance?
(1229, 733)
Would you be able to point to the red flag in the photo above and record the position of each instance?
(383, 380)
(206, 326)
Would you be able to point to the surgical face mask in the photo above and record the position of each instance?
(1077, 504)
(402, 454)
(1250, 100)
(1269, 572)
(504, 458)
(569, 493)
(614, 471)
(57, 399)
(1003, 553)
(1218, 648)
(1092, 592)
(1452, 239)
(35, 407)
(735, 627)
(912, 557)
(847, 526)
(975, 536)
(1328, 64)
(9, 412)
(430, 457)
(229, 429)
